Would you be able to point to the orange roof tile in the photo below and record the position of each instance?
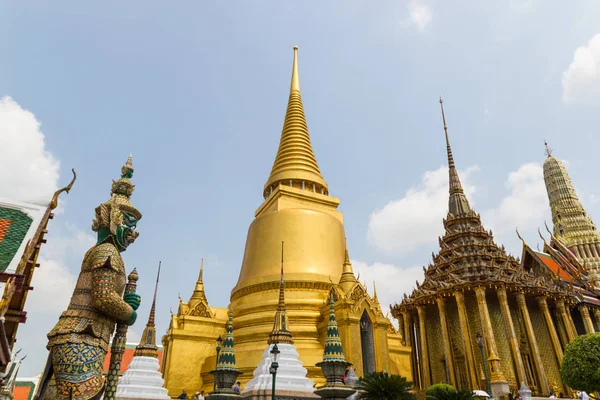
(23, 390)
(127, 357)
(553, 266)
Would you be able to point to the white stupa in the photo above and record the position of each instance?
(142, 380)
(291, 380)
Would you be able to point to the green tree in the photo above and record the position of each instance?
(435, 390)
(580, 368)
(384, 386)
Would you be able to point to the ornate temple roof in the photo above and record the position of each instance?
(295, 160)
(23, 228)
(197, 306)
(468, 255)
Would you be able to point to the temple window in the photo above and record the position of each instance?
(367, 344)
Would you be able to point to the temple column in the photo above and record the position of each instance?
(514, 342)
(486, 323)
(587, 319)
(401, 330)
(407, 332)
(447, 349)
(466, 338)
(596, 312)
(567, 322)
(425, 373)
(533, 342)
(543, 303)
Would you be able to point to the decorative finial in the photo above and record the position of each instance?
(54, 201)
(519, 235)
(133, 276)
(548, 151)
(201, 269)
(449, 150)
(295, 85)
(281, 305)
(375, 293)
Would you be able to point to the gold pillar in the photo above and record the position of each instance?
(407, 328)
(466, 338)
(596, 312)
(587, 320)
(514, 342)
(401, 330)
(567, 322)
(425, 373)
(486, 323)
(533, 342)
(447, 350)
(543, 302)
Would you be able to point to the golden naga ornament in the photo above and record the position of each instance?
(79, 342)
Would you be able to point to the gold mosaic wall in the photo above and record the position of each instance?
(502, 340)
(544, 341)
(435, 344)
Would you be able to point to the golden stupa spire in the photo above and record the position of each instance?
(147, 346)
(280, 332)
(347, 280)
(295, 164)
(375, 299)
(457, 204)
(199, 289)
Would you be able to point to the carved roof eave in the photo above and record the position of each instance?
(355, 298)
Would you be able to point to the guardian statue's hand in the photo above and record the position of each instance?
(132, 319)
(133, 300)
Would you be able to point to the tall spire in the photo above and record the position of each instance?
(572, 225)
(348, 279)
(295, 163)
(280, 332)
(548, 151)
(333, 344)
(227, 354)
(457, 203)
(147, 346)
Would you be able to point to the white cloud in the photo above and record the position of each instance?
(526, 205)
(581, 81)
(392, 281)
(403, 225)
(27, 171)
(420, 14)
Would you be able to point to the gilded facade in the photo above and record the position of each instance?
(526, 310)
(298, 210)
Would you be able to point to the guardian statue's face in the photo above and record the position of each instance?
(126, 231)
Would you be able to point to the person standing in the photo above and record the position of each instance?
(237, 389)
(183, 395)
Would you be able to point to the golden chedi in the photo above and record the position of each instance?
(298, 210)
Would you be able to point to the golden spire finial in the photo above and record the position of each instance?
(281, 304)
(295, 85)
(201, 270)
(375, 293)
(457, 204)
(548, 151)
(54, 201)
(295, 163)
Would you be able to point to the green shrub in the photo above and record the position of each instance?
(581, 363)
(434, 391)
(450, 393)
(384, 386)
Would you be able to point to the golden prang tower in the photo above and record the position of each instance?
(298, 210)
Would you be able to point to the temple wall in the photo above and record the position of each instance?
(459, 354)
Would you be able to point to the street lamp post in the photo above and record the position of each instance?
(219, 342)
(274, 365)
(485, 367)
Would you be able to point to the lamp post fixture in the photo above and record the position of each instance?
(485, 367)
(273, 369)
(219, 342)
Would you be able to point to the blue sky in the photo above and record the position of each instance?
(197, 92)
